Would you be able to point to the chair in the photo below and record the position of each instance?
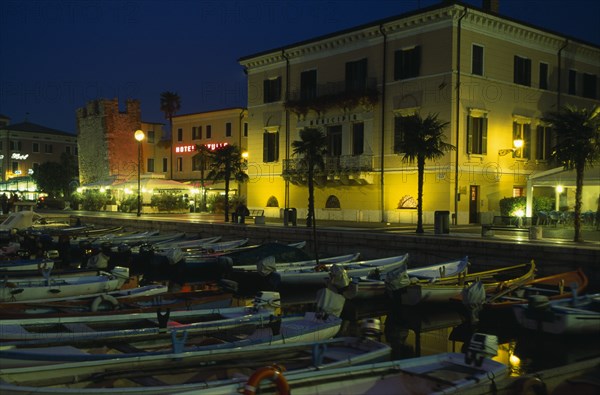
(553, 217)
(542, 218)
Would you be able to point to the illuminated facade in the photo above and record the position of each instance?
(25, 145)
(211, 129)
(358, 84)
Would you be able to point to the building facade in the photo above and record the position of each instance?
(489, 77)
(107, 146)
(25, 145)
(211, 129)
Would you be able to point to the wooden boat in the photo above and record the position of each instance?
(443, 290)
(554, 287)
(375, 285)
(434, 374)
(289, 329)
(579, 315)
(29, 289)
(191, 371)
(123, 326)
(148, 298)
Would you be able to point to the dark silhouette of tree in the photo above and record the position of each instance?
(226, 163)
(578, 146)
(311, 148)
(202, 155)
(422, 140)
(170, 103)
(56, 178)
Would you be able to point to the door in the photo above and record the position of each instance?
(474, 204)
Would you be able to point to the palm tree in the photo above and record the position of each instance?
(422, 140)
(311, 147)
(170, 103)
(203, 153)
(226, 163)
(578, 146)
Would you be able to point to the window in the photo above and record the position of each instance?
(150, 166)
(589, 86)
(76, 151)
(228, 129)
(333, 202)
(358, 138)
(270, 146)
(150, 136)
(477, 135)
(518, 191)
(179, 134)
(198, 135)
(522, 71)
(1, 146)
(165, 165)
(67, 149)
(356, 76)
(543, 147)
(180, 164)
(477, 60)
(245, 129)
(199, 162)
(48, 148)
(522, 131)
(35, 147)
(407, 63)
(543, 84)
(194, 132)
(208, 131)
(15, 167)
(271, 90)
(15, 145)
(334, 140)
(399, 131)
(572, 88)
(308, 85)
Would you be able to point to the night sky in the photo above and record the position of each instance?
(57, 55)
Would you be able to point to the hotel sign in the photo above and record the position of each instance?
(192, 147)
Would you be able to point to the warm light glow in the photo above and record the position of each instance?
(519, 213)
(139, 135)
(559, 189)
(102, 190)
(518, 143)
(128, 191)
(79, 190)
(245, 154)
(195, 191)
(514, 360)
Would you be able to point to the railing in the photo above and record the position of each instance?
(334, 165)
(333, 88)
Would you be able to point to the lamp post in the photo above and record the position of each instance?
(139, 136)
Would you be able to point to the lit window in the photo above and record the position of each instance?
(522, 131)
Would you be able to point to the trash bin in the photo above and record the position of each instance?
(441, 222)
(289, 216)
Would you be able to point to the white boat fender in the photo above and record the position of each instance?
(102, 299)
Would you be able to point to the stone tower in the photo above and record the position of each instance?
(105, 138)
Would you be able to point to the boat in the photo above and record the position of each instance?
(216, 247)
(147, 298)
(19, 265)
(445, 289)
(554, 287)
(187, 244)
(374, 285)
(312, 326)
(191, 371)
(29, 289)
(579, 315)
(123, 326)
(328, 261)
(443, 373)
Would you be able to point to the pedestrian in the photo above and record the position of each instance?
(242, 212)
(4, 203)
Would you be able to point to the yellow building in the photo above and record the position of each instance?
(491, 78)
(212, 129)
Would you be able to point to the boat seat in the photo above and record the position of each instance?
(78, 327)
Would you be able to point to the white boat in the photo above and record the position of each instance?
(26, 264)
(191, 371)
(133, 327)
(215, 247)
(579, 315)
(307, 263)
(187, 244)
(310, 327)
(443, 373)
(314, 276)
(29, 289)
(375, 285)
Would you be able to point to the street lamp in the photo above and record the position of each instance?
(139, 136)
(517, 144)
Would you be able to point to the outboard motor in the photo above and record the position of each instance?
(481, 346)
(371, 328)
(267, 299)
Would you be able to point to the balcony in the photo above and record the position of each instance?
(344, 95)
(338, 170)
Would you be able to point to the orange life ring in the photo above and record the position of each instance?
(274, 373)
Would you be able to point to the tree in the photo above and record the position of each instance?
(226, 163)
(56, 178)
(170, 103)
(578, 146)
(312, 148)
(422, 140)
(203, 153)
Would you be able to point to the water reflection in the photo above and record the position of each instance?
(414, 331)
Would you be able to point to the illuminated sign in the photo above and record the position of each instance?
(16, 155)
(192, 148)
